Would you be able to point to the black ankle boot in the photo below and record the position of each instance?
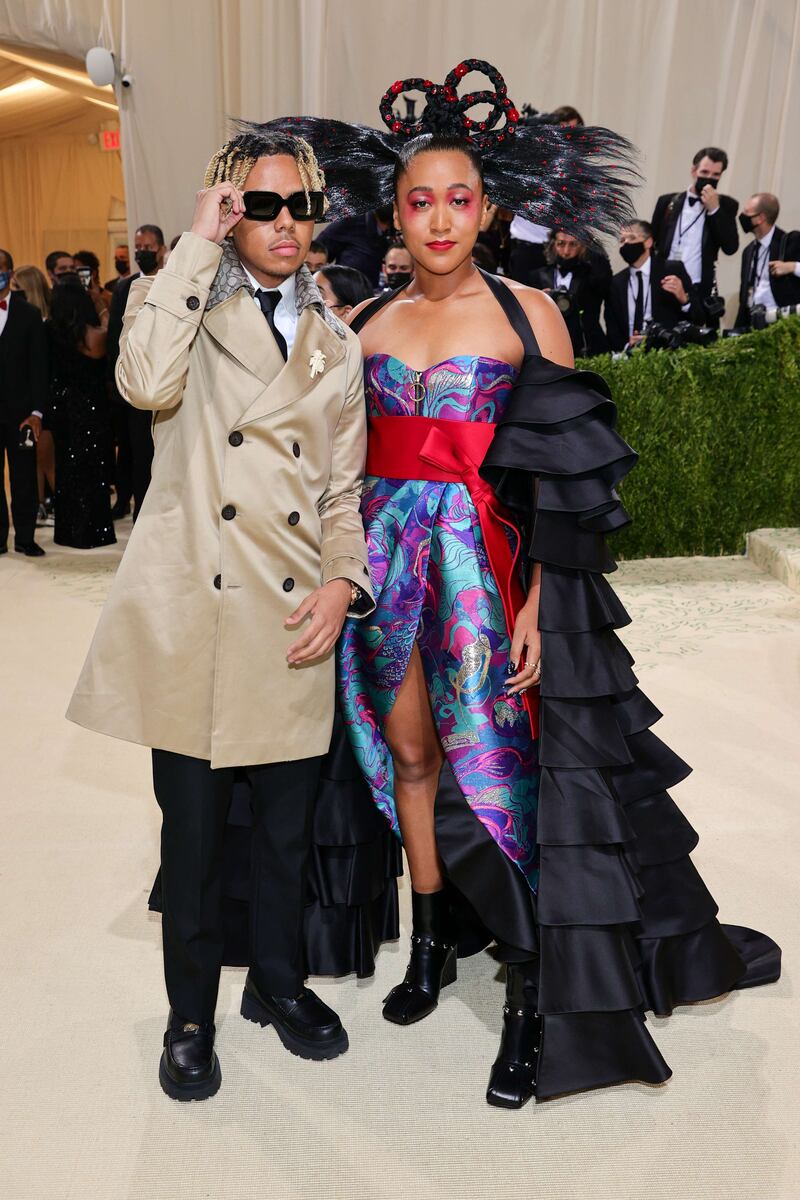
(432, 964)
(513, 1078)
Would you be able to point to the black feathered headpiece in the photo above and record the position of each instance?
(577, 179)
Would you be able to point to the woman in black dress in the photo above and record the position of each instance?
(79, 419)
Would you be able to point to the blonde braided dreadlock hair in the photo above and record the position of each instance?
(234, 161)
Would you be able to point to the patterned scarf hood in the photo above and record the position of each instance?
(231, 276)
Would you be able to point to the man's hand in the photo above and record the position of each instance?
(709, 198)
(782, 268)
(672, 284)
(328, 607)
(217, 209)
(35, 424)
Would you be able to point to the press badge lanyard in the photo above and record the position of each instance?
(760, 262)
(691, 225)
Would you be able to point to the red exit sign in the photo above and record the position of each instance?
(109, 139)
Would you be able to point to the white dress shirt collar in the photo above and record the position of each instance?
(766, 240)
(287, 289)
(286, 317)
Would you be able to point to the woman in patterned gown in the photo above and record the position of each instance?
(595, 905)
(489, 702)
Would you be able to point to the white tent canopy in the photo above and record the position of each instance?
(671, 76)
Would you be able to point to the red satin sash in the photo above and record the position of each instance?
(452, 452)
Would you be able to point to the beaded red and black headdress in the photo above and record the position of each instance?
(578, 179)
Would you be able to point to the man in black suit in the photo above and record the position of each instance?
(23, 392)
(578, 280)
(647, 289)
(359, 242)
(771, 263)
(132, 426)
(692, 227)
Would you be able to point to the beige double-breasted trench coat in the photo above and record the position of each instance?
(254, 502)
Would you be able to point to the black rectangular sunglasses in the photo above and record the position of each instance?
(265, 206)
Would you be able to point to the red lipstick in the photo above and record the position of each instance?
(439, 245)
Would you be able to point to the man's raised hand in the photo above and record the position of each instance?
(216, 210)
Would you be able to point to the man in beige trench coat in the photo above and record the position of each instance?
(215, 645)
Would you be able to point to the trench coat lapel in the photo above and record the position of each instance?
(294, 379)
(238, 325)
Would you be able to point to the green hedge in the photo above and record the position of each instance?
(718, 434)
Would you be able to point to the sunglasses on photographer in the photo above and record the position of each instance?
(265, 206)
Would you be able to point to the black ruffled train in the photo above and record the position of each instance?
(623, 921)
(352, 889)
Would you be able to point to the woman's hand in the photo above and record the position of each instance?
(527, 643)
(328, 607)
(217, 209)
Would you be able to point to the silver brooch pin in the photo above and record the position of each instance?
(316, 363)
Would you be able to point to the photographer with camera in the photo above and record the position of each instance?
(649, 290)
(87, 265)
(692, 227)
(577, 279)
(770, 264)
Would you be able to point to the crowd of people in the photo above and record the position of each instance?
(72, 443)
(665, 293)
(79, 456)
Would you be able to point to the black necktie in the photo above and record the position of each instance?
(269, 301)
(693, 200)
(638, 308)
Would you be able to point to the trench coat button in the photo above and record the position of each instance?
(236, 438)
(296, 449)
(192, 303)
(294, 517)
(228, 512)
(288, 584)
(217, 582)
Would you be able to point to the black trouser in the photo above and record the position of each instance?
(24, 488)
(194, 801)
(140, 428)
(525, 260)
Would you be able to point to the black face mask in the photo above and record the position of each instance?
(565, 265)
(147, 261)
(746, 223)
(121, 266)
(700, 183)
(630, 251)
(396, 279)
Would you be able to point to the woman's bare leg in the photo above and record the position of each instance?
(417, 753)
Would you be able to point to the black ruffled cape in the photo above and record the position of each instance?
(623, 921)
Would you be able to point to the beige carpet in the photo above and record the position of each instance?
(402, 1115)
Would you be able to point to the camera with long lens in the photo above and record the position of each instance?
(562, 299)
(660, 337)
(761, 316)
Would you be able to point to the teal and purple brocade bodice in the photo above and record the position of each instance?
(434, 586)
